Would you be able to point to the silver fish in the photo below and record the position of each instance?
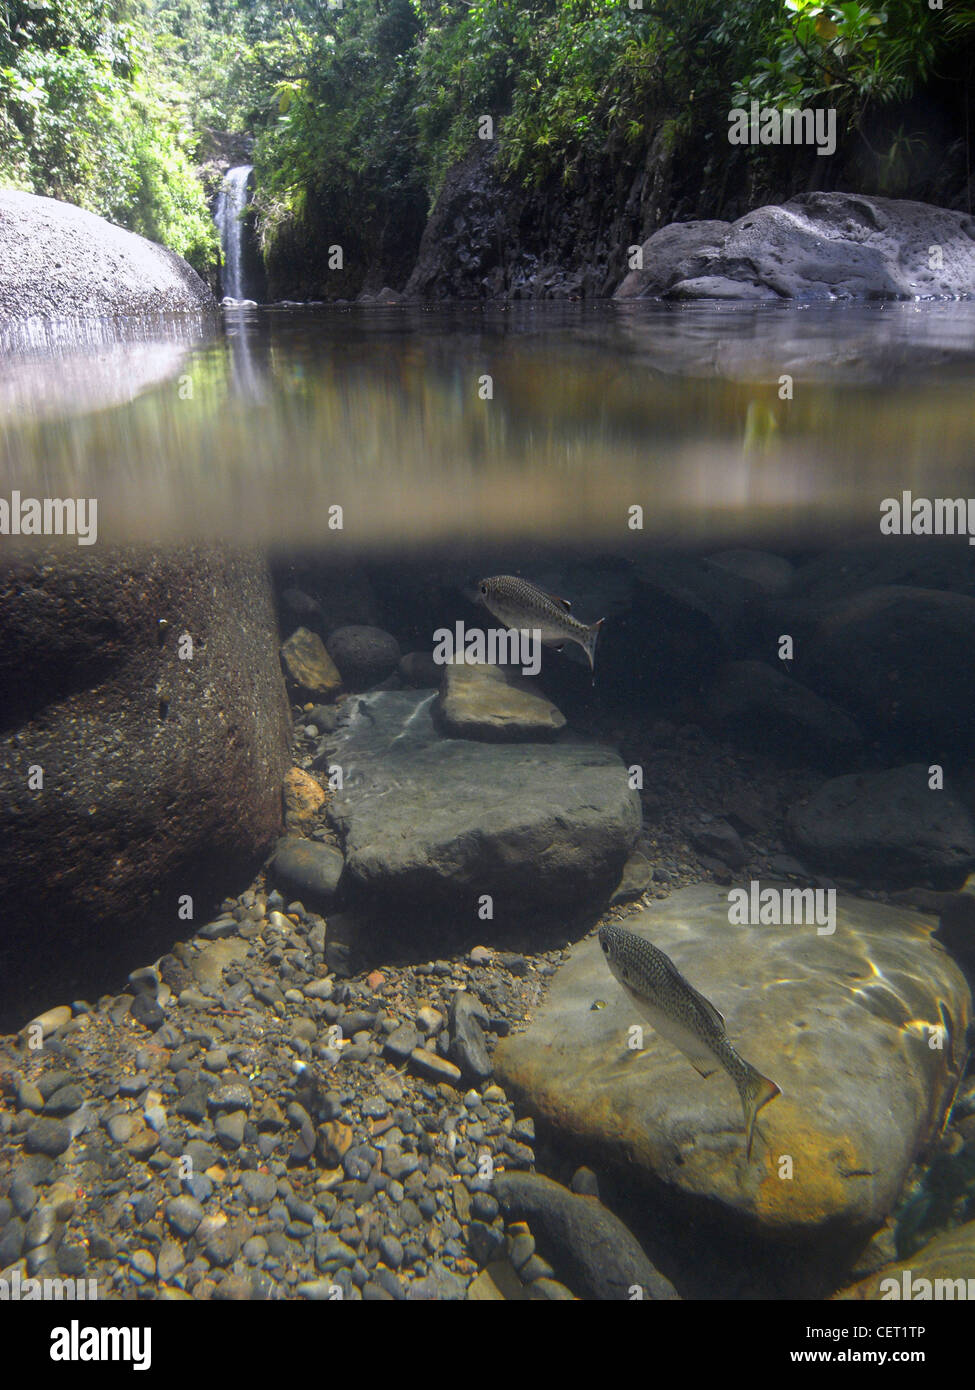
(519, 604)
(683, 1016)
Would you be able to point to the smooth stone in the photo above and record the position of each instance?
(467, 1049)
(364, 655)
(886, 826)
(590, 1248)
(308, 868)
(494, 704)
(260, 1189)
(401, 1042)
(754, 704)
(229, 1126)
(308, 665)
(949, 1257)
(840, 1021)
(635, 878)
(184, 1214)
(51, 1020)
(435, 1067)
(420, 670)
(47, 1136)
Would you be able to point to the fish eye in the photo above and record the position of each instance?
(483, 591)
(605, 946)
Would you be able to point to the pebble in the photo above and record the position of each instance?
(260, 1189)
(401, 1043)
(144, 1263)
(434, 1066)
(229, 1127)
(47, 1136)
(184, 1215)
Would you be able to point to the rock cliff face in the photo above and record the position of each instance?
(58, 261)
(488, 239)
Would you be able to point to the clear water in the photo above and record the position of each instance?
(252, 435)
(583, 446)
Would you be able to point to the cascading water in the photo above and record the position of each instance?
(231, 202)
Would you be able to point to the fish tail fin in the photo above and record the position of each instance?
(589, 645)
(756, 1090)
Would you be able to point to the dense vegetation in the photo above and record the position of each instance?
(360, 106)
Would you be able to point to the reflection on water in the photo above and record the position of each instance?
(434, 423)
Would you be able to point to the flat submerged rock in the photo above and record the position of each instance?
(841, 1022)
(494, 704)
(430, 819)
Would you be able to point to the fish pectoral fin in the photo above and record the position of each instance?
(701, 1068)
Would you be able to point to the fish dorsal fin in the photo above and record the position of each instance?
(705, 1004)
(562, 602)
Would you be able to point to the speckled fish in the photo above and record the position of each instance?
(683, 1016)
(518, 604)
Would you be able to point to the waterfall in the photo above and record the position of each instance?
(231, 201)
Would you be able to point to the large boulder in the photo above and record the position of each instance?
(899, 659)
(943, 1269)
(133, 771)
(842, 1022)
(58, 261)
(759, 706)
(815, 246)
(428, 820)
(886, 827)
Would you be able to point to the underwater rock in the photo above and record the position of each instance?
(899, 659)
(308, 665)
(420, 670)
(591, 1249)
(949, 1258)
(307, 868)
(467, 1018)
(161, 768)
(494, 704)
(364, 655)
(431, 820)
(684, 621)
(302, 798)
(841, 1022)
(637, 872)
(762, 572)
(753, 703)
(886, 827)
(815, 246)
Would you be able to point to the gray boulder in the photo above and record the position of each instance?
(887, 827)
(590, 1248)
(428, 820)
(674, 253)
(900, 659)
(756, 705)
(819, 246)
(58, 261)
